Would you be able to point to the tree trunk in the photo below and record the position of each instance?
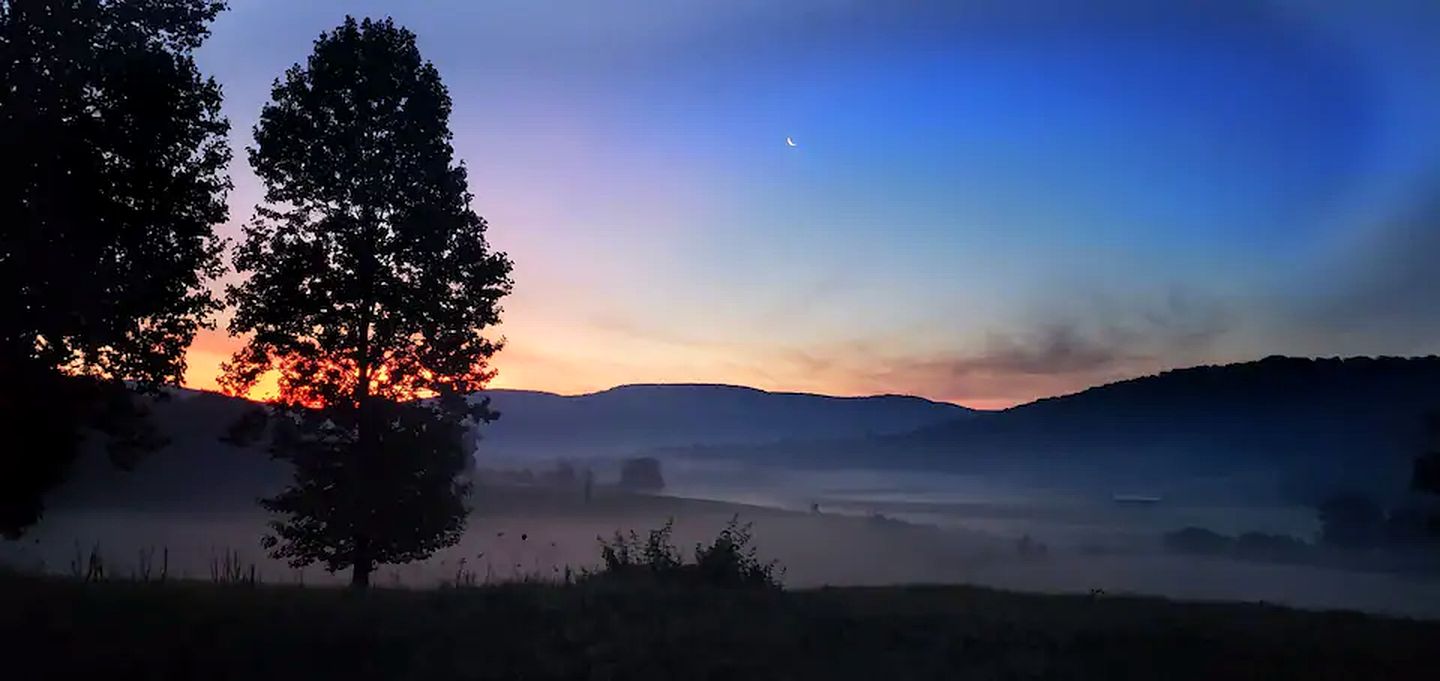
(361, 478)
(363, 563)
(366, 423)
(360, 572)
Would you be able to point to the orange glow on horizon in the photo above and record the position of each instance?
(559, 370)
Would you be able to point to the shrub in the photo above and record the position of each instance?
(728, 561)
(626, 555)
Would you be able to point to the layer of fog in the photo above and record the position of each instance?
(826, 528)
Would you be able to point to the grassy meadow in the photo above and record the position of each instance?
(60, 628)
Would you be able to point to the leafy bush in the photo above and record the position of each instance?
(626, 555)
(728, 561)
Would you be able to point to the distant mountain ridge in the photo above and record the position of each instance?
(1278, 428)
(627, 418)
(197, 470)
(1302, 427)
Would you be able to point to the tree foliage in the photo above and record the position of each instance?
(370, 286)
(1426, 474)
(406, 503)
(730, 560)
(113, 153)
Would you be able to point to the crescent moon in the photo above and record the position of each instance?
(789, 142)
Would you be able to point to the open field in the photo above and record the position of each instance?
(64, 629)
(534, 533)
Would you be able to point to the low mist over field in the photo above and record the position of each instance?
(518, 534)
(866, 521)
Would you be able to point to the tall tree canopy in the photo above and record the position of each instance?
(1426, 475)
(370, 286)
(113, 153)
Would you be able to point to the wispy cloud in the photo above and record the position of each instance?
(1058, 354)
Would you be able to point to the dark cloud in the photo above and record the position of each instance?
(1055, 355)
(1061, 348)
(1109, 338)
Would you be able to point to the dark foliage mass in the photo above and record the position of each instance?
(1427, 473)
(1256, 546)
(641, 474)
(1351, 525)
(369, 273)
(600, 630)
(404, 503)
(112, 176)
(370, 286)
(730, 560)
(1425, 477)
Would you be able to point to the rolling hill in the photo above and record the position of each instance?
(197, 470)
(628, 418)
(1282, 429)
(1295, 427)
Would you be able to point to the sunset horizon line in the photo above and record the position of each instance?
(989, 405)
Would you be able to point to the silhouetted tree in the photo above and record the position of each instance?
(397, 501)
(641, 474)
(370, 286)
(1426, 475)
(113, 153)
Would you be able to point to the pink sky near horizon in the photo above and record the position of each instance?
(555, 369)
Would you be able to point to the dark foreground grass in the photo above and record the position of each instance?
(105, 631)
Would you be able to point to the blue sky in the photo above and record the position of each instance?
(989, 202)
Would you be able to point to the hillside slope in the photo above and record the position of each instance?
(627, 418)
(1304, 427)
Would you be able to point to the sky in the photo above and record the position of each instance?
(987, 203)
